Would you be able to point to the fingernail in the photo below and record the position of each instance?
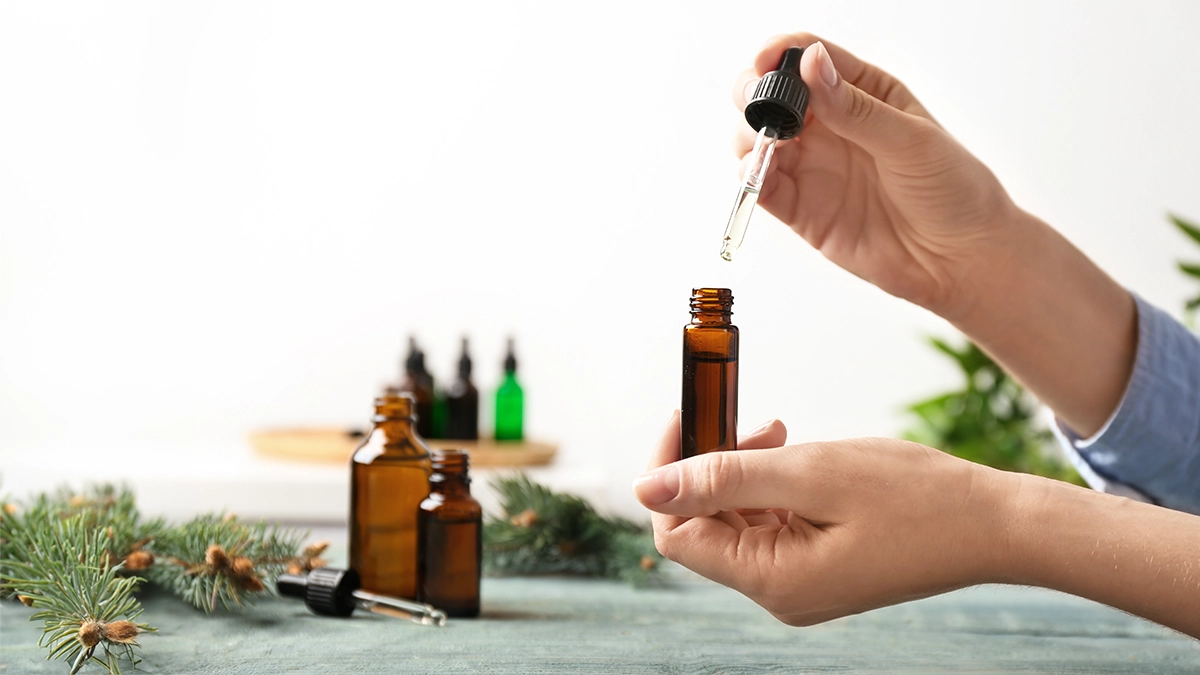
(748, 92)
(825, 64)
(760, 428)
(658, 486)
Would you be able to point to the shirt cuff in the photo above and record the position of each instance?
(1147, 449)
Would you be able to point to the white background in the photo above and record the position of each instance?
(222, 216)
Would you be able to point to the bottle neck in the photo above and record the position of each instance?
(450, 484)
(713, 318)
(450, 476)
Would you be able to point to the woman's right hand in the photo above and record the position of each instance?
(876, 185)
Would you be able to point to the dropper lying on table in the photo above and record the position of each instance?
(776, 111)
(337, 592)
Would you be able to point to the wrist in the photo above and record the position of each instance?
(996, 265)
(1024, 511)
(1053, 319)
(1003, 520)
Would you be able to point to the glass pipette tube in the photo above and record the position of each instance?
(747, 196)
(417, 612)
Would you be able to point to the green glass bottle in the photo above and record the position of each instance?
(510, 402)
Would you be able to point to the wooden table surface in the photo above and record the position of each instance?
(555, 625)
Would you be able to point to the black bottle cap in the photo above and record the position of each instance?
(464, 362)
(781, 98)
(326, 590)
(510, 360)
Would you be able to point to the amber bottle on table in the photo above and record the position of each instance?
(451, 538)
(389, 479)
(708, 415)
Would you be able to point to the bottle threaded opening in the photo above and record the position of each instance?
(450, 460)
(712, 300)
(397, 406)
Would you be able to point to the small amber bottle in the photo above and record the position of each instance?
(389, 480)
(451, 536)
(708, 417)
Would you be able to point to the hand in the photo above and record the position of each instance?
(881, 189)
(874, 182)
(826, 529)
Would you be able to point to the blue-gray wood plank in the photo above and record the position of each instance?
(580, 626)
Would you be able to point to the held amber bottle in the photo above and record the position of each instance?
(708, 416)
(451, 536)
(389, 479)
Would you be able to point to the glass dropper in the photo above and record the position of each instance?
(337, 592)
(747, 196)
(776, 111)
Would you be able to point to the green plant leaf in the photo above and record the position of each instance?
(963, 358)
(1186, 227)
(989, 420)
(1190, 269)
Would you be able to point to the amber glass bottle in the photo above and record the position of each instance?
(708, 416)
(451, 536)
(418, 382)
(389, 480)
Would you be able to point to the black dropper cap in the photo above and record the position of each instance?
(415, 362)
(781, 98)
(326, 590)
(510, 360)
(464, 362)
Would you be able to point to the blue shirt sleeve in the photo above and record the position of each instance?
(1150, 447)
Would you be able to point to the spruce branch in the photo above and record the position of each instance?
(100, 507)
(220, 558)
(544, 532)
(85, 604)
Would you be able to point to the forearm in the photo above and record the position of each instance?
(1139, 558)
(1055, 321)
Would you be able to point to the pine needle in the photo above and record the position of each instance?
(219, 559)
(544, 532)
(87, 608)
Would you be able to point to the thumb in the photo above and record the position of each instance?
(855, 115)
(707, 484)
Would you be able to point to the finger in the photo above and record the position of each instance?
(743, 87)
(744, 137)
(771, 434)
(794, 478)
(668, 448)
(873, 80)
(764, 518)
(737, 559)
(854, 114)
(666, 452)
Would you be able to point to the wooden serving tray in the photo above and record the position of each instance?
(335, 445)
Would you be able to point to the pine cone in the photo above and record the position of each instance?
(526, 518)
(139, 560)
(90, 633)
(215, 557)
(124, 632)
(242, 566)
